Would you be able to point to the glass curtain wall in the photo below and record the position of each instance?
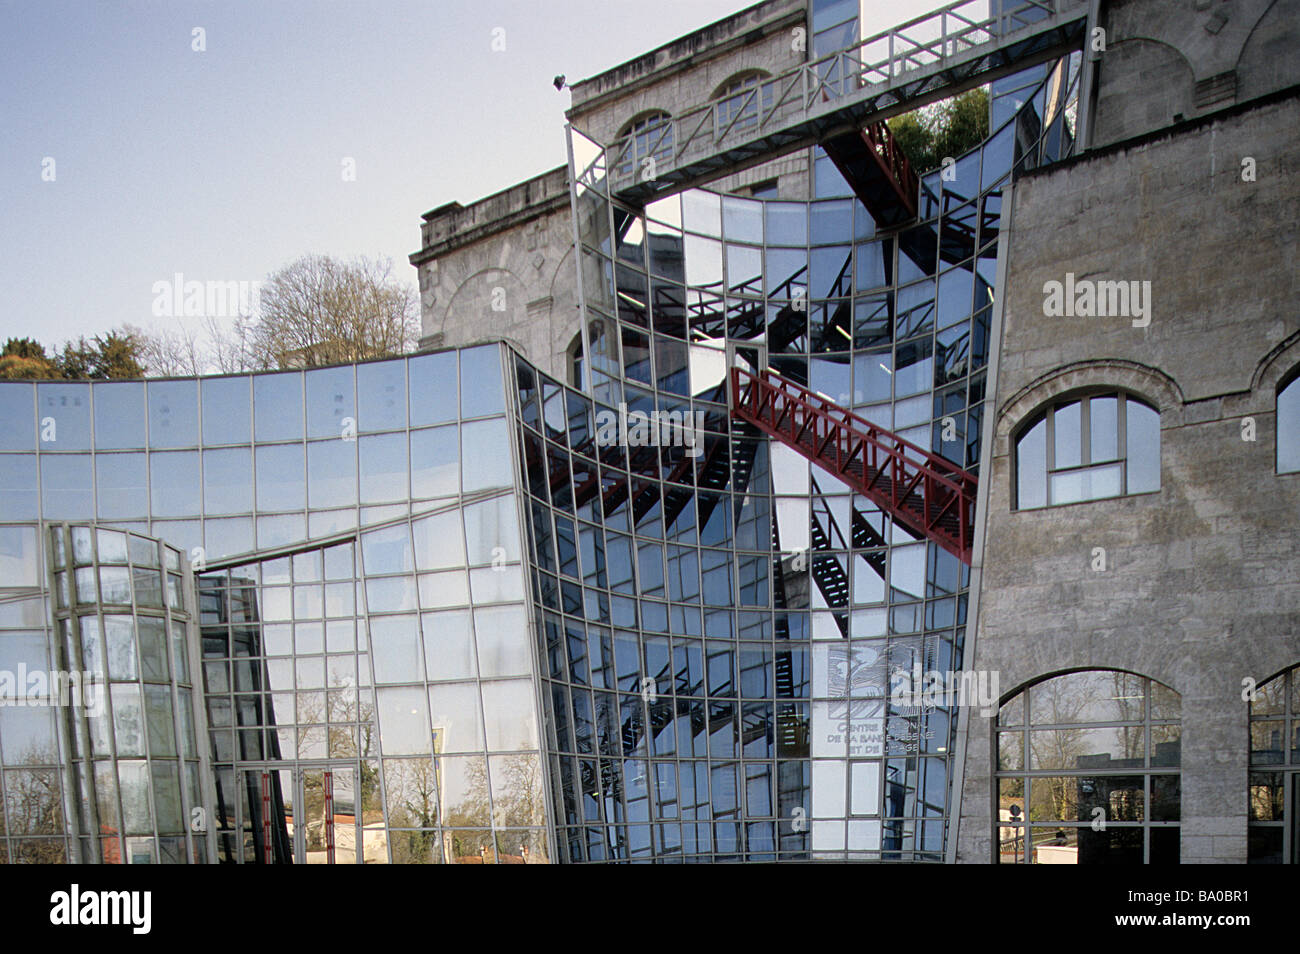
(355, 535)
(124, 610)
(662, 578)
(34, 826)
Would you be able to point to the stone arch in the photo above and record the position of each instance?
(1266, 61)
(1031, 681)
(496, 299)
(1148, 384)
(1124, 61)
(653, 112)
(735, 79)
(1277, 366)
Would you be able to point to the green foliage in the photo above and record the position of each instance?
(944, 130)
(25, 359)
(113, 355)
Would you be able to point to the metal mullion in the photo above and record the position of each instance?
(174, 687)
(1148, 779)
(138, 682)
(199, 711)
(1288, 815)
(72, 659)
(1121, 439)
(110, 722)
(1024, 810)
(533, 619)
(298, 781)
(1085, 431)
(482, 718)
(1148, 784)
(1051, 447)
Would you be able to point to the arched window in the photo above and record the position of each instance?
(741, 97)
(1088, 448)
(1288, 426)
(651, 135)
(1273, 797)
(1084, 747)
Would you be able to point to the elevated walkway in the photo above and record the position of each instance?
(924, 60)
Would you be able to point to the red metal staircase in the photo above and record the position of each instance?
(872, 162)
(925, 493)
(880, 174)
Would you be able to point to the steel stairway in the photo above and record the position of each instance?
(872, 162)
(882, 177)
(923, 492)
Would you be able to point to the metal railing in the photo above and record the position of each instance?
(926, 493)
(960, 37)
(894, 161)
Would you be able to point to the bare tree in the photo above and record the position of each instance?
(170, 352)
(318, 311)
(315, 311)
(230, 345)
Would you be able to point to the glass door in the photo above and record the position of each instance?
(265, 816)
(302, 814)
(327, 830)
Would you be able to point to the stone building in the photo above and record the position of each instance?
(1192, 579)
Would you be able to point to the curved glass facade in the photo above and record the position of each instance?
(124, 618)
(354, 541)
(720, 631)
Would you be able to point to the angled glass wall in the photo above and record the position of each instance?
(354, 531)
(720, 631)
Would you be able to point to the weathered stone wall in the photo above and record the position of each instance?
(1168, 60)
(1202, 581)
(503, 268)
(691, 70)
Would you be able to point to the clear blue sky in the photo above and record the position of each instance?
(226, 164)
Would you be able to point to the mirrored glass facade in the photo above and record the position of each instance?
(720, 630)
(344, 573)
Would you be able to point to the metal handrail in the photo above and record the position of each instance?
(882, 139)
(839, 438)
(823, 84)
